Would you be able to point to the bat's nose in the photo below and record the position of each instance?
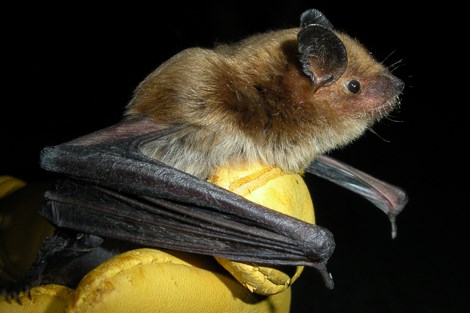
(398, 83)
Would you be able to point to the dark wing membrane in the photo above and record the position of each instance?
(165, 224)
(113, 190)
(389, 198)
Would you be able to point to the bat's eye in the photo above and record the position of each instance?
(354, 86)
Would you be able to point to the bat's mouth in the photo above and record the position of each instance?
(377, 112)
(382, 98)
(386, 108)
(393, 88)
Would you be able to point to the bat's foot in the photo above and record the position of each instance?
(52, 263)
(11, 291)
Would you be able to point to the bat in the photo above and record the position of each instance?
(283, 98)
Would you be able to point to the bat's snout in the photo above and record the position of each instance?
(397, 83)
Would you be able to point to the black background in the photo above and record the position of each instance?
(69, 70)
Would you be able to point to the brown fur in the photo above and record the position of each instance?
(251, 102)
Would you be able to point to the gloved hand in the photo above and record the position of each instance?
(150, 280)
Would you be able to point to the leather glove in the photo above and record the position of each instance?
(150, 280)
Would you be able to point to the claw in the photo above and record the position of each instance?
(12, 291)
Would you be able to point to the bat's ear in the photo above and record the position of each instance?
(313, 16)
(321, 53)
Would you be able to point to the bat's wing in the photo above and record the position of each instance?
(389, 198)
(112, 190)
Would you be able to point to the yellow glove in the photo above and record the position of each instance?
(282, 192)
(9, 184)
(160, 281)
(149, 280)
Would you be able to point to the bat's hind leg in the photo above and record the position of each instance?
(62, 259)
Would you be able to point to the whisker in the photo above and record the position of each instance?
(375, 133)
(391, 119)
(396, 65)
(388, 56)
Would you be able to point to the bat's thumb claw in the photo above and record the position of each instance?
(394, 225)
(327, 277)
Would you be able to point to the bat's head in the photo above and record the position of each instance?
(325, 90)
(344, 90)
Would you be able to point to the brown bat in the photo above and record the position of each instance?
(281, 99)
